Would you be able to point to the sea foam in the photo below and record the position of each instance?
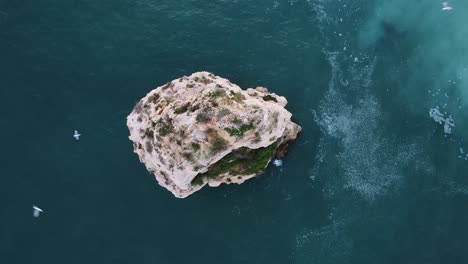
(438, 117)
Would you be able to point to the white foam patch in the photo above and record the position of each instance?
(329, 243)
(320, 14)
(370, 163)
(440, 118)
(453, 188)
(462, 155)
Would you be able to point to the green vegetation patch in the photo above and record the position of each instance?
(257, 138)
(238, 97)
(154, 98)
(214, 103)
(239, 132)
(237, 121)
(240, 128)
(223, 112)
(194, 108)
(243, 161)
(218, 144)
(195, 146)
(269, 98)
(149, 133)
(260, 160)
(166, 129)
(205, 80)
(217, 93)
(188, 156)
(226, 164)
(204, 115)
(198, 180)
(167, 85)
(182, 109)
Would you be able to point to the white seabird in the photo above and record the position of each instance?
(446, 7)
(76, 135)
(37, 211)
(278, 162)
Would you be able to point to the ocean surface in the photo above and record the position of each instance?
(378, 175)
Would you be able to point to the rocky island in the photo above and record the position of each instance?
(203, 129)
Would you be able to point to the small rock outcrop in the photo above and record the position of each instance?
(203, 129)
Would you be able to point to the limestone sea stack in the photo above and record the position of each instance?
(203, 129)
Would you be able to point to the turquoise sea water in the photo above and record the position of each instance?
(373, 178)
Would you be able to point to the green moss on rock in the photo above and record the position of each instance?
(218, 144)
(195, 146)
(154, 98)
(243, 161)
(182, 109)
(239, 132)
(269, 98)
(166, 129)
(217, 93)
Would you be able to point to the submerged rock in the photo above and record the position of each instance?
(203, 129)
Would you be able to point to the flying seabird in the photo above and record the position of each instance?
(278, 162)
(36, 211)
(76, 135)
(446, 7)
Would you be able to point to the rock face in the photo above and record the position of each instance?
(203, 129)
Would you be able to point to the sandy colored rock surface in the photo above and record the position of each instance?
(184, 130)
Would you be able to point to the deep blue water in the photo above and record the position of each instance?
(373, 178)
